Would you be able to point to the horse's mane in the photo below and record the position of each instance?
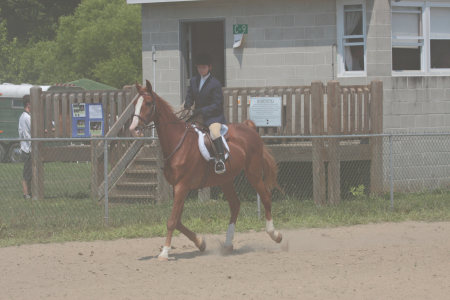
(164, 108)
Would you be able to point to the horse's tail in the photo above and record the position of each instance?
(270, 170)
(270, 167)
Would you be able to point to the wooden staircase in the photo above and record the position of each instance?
(139, 182)
(135, 167)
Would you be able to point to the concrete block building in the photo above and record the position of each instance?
(406, 44)
(293, 42)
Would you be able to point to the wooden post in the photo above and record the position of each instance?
(56, 115)
(244, 105)
(298, 112)
(333, 127)
(65, 116)
(317, 144)
(48, 115)
(235, 118)
(376, 118)
(37, 131)
(288, 113)
(226, 103)
(307, 112)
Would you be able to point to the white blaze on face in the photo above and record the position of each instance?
(137, 112)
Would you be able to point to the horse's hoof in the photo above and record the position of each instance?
(162, 258)
(202, 245)
(279, 238)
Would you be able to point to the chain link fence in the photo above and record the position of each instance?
(412, 163)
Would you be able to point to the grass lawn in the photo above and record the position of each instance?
(68, 214)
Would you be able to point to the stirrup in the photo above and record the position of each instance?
(219, 166)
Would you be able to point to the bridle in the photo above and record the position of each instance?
(153, 112)
(148, 125)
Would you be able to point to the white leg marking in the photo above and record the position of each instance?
(269, 226)
(270, 229)
(164, 253)
(230, 235)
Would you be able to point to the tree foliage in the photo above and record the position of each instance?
(7, 55)
(100, 41)
(34, 19)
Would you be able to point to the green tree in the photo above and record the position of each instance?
(100, 41)
(8, 56)
(34, 20)
(103, 36)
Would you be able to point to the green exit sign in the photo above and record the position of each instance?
(240, 29)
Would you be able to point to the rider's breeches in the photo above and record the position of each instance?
(214, 130)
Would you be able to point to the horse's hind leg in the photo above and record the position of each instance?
(255, 179)
(235, 204)
(199, 242)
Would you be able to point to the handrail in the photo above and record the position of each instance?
(123, 118)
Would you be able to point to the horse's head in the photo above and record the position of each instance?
(145, 109)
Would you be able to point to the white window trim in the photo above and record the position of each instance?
(341, 72)
(425, 56)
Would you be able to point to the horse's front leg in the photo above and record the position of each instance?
(233, 201)
(179, 194)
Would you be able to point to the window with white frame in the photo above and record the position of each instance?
(439, 37)
(420, 37)
(351, 38)
(407, 38)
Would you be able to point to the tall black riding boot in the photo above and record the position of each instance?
(220, 156)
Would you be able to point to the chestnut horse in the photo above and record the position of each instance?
(186, 169)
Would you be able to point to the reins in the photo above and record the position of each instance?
(181, 115)
(178, 146)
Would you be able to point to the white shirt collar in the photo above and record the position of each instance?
(203, 80)
(205, 77)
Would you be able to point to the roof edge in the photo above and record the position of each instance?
(158, 1)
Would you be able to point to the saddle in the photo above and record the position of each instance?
(205, 143)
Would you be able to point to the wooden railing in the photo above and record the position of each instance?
(321, 110)
(58, 119)
(55, 120)
(306, 111)
(306, 108)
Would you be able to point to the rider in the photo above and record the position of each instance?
(205, 91)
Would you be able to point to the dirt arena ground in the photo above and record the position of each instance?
(381, 261)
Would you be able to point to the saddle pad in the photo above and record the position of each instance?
(201, 143)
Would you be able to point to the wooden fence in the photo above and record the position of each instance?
(306, 108)
(321, 110)
(55, 120)
(307, 111)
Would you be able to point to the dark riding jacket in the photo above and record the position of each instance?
(209, 99)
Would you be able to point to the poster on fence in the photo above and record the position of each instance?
(266, 111)
(87, 120)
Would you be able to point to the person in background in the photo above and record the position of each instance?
(205, 91)
(25, 146)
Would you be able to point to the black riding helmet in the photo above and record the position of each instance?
(203, 59)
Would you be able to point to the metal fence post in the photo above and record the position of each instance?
(258, 205)
(105, 165)
(391, 173)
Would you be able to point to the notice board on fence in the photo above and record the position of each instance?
(87, 120)
(266, 111)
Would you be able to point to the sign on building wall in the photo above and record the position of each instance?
(238, 31)
(240, 28)
(87, 120)
(266, 111)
